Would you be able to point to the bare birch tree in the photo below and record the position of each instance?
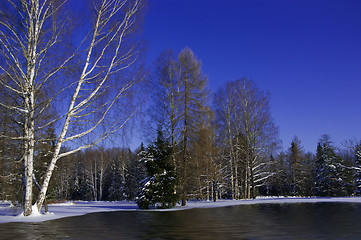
(30, 33)
(259, 134)
(250, 134)
(225, 103)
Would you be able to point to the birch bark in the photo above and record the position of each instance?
(29, 85)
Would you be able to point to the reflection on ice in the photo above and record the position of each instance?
(248, 221)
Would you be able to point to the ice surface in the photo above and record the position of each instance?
(76, 208)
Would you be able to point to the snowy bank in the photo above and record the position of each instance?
(69, 209)
(61, 210)
(266, 200)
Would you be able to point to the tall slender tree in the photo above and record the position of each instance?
(193, 95)
(166, 91)
(296, 156)
(180, 96)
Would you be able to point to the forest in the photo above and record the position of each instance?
(62, 101)
(214, 145)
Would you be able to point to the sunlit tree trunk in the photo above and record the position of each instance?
(33, 28)
(78, 106)
(29, 168)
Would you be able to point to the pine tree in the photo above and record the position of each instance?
(279, 183)
(136, 174)
(357, 170)
(332, 176)
(299, 169)
(159, 185)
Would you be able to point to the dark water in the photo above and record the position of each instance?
(264, 221)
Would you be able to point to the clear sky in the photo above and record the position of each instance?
(306, 53)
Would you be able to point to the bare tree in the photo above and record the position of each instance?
(166, 88)
(193, 95)
(225, 103)
(251, 135)
(259, 133)
(180, 96)
(207, 171)
(30, 33)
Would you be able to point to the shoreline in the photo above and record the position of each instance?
(77, 208)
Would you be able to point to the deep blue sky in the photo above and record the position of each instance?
(306, 53)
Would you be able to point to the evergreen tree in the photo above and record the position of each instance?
(295, 155)
(135, 175)
(357, 170)
(332, 176)
(279, 183)
(309, 174)
(300, 170)
(159, 185)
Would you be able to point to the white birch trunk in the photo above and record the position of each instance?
(75, 109)
(207, 186)
(33, 31)
(230, 152)
(101, 174)
(95, 181)
(29, 169)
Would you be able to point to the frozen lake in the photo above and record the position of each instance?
(259, 221)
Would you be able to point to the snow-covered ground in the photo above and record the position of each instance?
(61, 210)
(76, 208)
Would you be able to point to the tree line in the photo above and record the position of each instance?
(206, 146)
